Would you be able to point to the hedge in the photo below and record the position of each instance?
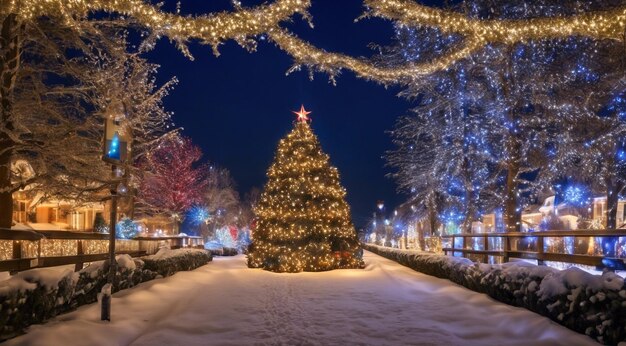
(35, 296)
(224, 251)
(591, 304)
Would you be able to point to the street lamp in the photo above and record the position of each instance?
(115, 150)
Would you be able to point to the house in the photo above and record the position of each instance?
(568, 217)
(32, 210)
(599, 211)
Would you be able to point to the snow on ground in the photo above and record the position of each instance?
(225, 303)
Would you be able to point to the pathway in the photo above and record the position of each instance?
(225, 303)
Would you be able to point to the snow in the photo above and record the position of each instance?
(558, 282)
(43, 226)
(126, 262)
(21, 227)
(165, 253)
(225, 303)
(47, 277)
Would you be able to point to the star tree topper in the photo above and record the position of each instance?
(302, 115)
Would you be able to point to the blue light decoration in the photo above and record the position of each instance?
(126, 229)
(451, 220)
(224, 238)
(114, 148)
(195, 218)
(455, 143)
(197, 215)
(576, 196)
(116, 142)
(621, 155)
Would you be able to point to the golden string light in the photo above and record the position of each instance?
(600, 24)
(320, 60)
(209, 29)
(476, 32)
(245, 23)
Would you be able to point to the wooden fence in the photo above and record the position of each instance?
(599, 248)
(23, 250)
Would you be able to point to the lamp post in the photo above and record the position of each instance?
(116, 145)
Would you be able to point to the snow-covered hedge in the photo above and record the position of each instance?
(167, 262)
(37, 295)
(224, 251)
(218, 249)
(591, 304)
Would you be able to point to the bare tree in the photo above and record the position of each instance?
(221, 198)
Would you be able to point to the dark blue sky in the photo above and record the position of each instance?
(237, 106)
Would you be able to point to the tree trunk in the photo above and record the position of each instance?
(432, 216)
(613, 189)
(420, 236)
(9, 64)
(612, 199)
(512, 212)
(469, 208)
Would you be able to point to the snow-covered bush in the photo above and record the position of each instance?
(217, 249)
(34, 296)
(591, 304)
(167, 262)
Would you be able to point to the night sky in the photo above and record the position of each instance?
(236, 107)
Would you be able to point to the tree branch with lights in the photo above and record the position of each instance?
(476, 33)
(209, 29)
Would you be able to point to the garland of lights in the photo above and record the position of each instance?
(601, 24)
(332, 63)
(477, 34)
(210, 29)
(243, 23)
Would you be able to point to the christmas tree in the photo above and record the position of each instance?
(303, 220)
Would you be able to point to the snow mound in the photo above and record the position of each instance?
(167, 253)
(125, 262)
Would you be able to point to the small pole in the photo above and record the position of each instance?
(106, 301)
(105, 313)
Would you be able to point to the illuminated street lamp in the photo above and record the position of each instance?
(115, 150)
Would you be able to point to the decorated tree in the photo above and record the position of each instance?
(221, 198)
(126, 229)
(56, 64)
(303, 220)
(508, 107)
(172, 181)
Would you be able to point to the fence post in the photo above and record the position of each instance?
(486, 247)
(17, 249)
(453, 244)
(463, 245)
(507, 248)
(79, 251)
(17, 253)
(540, 251)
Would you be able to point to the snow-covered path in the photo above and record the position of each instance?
(225, 303)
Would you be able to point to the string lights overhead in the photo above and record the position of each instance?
(209, 29)
(477, 33)
(245, 23)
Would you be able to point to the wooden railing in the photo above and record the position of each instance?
(23, 250)
(599, 248)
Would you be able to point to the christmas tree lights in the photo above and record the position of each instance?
(303, 220)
